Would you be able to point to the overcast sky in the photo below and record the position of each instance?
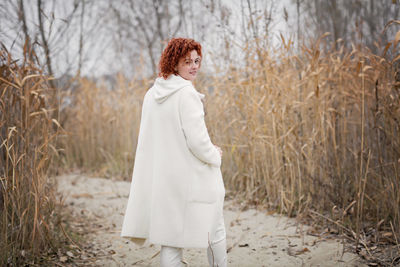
(101, 56)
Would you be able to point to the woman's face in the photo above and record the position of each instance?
(189, 65)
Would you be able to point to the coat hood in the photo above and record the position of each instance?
(163, 88)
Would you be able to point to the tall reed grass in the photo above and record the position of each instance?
(29, 213)
(314, 131)
(103, 125)
(308, 130)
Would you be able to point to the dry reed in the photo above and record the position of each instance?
(314, 131)
(29, 214)
(102, 126)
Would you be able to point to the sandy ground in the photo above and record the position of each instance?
(254, 238)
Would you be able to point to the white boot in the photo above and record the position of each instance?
(216, 254)
(170, 257)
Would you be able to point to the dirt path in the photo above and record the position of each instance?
(253, 237)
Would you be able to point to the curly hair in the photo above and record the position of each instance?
(176, 49)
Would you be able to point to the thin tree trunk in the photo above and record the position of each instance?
(44, 41)
(28, 49)
(81, 39)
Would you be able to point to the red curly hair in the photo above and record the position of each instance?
(176, 49)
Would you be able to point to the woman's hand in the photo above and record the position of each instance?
(219, 150)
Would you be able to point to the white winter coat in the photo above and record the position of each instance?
(177, 186)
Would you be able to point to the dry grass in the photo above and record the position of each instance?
(301, 131)
(102, 127)
(315, 131)
(316, 127)
(29, 215)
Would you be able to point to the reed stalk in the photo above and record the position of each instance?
(29, 213)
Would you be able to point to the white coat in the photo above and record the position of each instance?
(177, 188)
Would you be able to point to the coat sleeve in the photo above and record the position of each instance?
(194, 128)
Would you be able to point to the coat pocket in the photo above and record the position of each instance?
(204, 184)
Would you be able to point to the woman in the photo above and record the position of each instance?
(177, 192)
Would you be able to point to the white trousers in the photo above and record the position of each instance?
(216, 252)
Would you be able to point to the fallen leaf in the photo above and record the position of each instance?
(87, 195)
(387, 234)
(265, 235)
(301, 251)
